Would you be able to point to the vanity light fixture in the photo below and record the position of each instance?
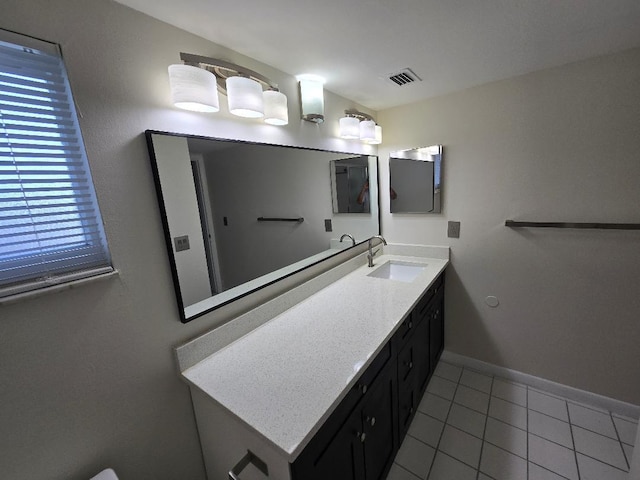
(311, 97)
(249, 94)
(358, 125)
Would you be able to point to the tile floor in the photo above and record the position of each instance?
(470, 426)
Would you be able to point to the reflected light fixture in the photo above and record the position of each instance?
(195, 85)
(311, 97)
(358, 125)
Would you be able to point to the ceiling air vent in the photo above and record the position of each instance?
(404, 77)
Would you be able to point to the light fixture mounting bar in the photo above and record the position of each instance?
(223, 70)
(359, 115)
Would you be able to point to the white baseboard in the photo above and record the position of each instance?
(571, 393)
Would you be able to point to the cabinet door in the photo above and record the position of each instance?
(436, 332)
(378, 420)
(421, 348)
(342, 457)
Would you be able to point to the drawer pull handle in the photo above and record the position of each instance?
(363, 389)
(408, 364)
(361, 436)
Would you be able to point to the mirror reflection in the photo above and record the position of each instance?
(239, 216)
(415, 177)
(350, 182)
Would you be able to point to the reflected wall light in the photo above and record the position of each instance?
(311, 97)
(193, 86)
(358, 125)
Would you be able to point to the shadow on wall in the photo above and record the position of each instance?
(464, 330)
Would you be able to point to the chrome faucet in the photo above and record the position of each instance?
(346, 235)
(373, 252)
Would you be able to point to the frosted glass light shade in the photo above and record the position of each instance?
(349, 127)
(245, 97)
(367, 130)
(275, 108)
(193, 88)
(312, 99)
(378, 138)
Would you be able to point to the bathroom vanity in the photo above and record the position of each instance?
(326, 388)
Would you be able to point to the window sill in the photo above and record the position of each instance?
(25, 296)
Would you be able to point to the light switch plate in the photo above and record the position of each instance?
(181, 243)
(453, 230)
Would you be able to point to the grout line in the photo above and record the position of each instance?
(573, 441)
(620, 442)
(443, 428)
(407, 470)
(484, 432)
(547, 469)
(527, 403)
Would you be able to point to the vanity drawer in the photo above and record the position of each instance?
(421, 310)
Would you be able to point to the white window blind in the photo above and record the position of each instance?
(50, 225)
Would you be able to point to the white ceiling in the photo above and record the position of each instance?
(450, 44)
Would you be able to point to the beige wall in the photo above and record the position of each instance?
(557, 145)
(87, 376)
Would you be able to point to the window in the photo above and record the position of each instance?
(51, 230)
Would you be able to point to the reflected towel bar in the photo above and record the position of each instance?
(278, 219)
(601, 226)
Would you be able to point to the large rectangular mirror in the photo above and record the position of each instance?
(415, 177)
(239, 216)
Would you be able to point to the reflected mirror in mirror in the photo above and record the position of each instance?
(239, 216)
(415, 177)
(350, 185)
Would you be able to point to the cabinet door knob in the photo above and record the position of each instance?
(363, 389)
(361, 436)
(410, 324)
(371, 421)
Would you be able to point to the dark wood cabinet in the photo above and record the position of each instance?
(361, 438)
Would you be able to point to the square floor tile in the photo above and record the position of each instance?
(448, 371)
(476, 380)
(472, 399)
(509, 391)
(538, 473)
(448, 468)
(467, 420)
(508, 412)
(506, 437)
(550, 428)
(552, 406)
(626, 430)
(426, 429)
(415, 456)
(501, 464)
(398, 473)
(435, 406)
(595, 421)
(552, 456)
(591, 469)
(461, 446)
(441, 387)
(599, 447)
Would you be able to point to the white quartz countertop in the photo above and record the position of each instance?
(285, 378)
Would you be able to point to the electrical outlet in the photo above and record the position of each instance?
(181, 243)
(453, 230)
(327, 225)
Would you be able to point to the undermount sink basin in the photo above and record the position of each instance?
(398, 270)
